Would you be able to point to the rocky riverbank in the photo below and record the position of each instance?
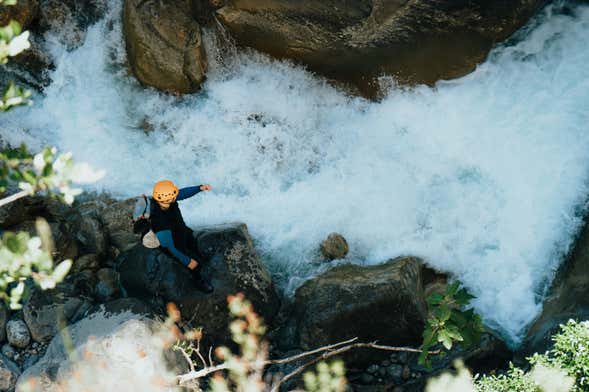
(113, 273)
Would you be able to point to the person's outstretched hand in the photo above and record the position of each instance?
(193, 264)
(206, 187)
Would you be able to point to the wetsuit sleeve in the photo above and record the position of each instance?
(187, 192)
(165, 238)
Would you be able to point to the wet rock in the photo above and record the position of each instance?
(406, 373)
(124, 240)
(24, 12)
(3, 320)
(18, 334)
(334, 247)
(8, 351)
(69, 19)
(46, 312)
(383, 302)
(91, 235)
(30, 361)
(132, 342)
(90, 262)
(419, 41)
(9, 373)
(567, 298)
(229, 261)
(372, 369)
(108, 286)
(366, 378)
(164, 45)
(395, 372)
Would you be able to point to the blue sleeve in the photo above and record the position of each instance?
(165, 238)
(187, 192)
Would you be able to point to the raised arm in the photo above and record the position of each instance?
(190, 191)
(187, 192)
(166, 240)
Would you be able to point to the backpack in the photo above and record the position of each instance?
(141, 223)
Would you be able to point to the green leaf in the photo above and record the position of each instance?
(444, 312)
(454, 333)
(428, 337)
(445, 339)
(435, 299)
(463, 297)
(452, 289)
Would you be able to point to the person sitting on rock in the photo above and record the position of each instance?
(170, 229)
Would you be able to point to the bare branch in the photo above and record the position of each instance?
(204, 363)
(187, 357)
(11, 198)
(326, 352)
(341, 350)
(211, 356)
(307, 353)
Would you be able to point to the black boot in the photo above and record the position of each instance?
(201, 283)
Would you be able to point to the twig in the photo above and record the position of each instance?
(340, 350)
(326, 352)
(204, 364)
(211, 356)
(307, 353)
(11, 198)
(188, 359)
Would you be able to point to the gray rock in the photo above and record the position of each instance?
(229, 260)
(92, 235)
(366, 378)
(30, 361)
(334, 247)
(9, 373)
(383, 302)
(372, 369)
(164, 45)
(108, 285)
(3, 320)
(419, 41)
(47, 311)
(395, 372)
(18, 334)
(87, 262)
(114, 331)
(406, 373)
(8, 351)
(567, 298)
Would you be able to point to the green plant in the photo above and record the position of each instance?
(448, 322)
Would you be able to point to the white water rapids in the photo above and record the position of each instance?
(485, 176)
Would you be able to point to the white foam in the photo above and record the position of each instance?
(485, 176)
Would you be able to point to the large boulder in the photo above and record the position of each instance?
(127, 334)
(9, 373)
(164, 44)
(567, 298)
(419, 41)
(229, 260)
(46, 312)
(382, 302)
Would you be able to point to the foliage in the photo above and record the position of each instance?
(564, 368)
(12, 42)
(22, 256)
(448, 323)
(328, 378)
(45, 171)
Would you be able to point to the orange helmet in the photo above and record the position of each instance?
(165, 191)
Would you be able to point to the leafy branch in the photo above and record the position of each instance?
(448, 323)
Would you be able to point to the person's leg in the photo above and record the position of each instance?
(191, 249)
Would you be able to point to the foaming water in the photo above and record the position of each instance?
(485, 176)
